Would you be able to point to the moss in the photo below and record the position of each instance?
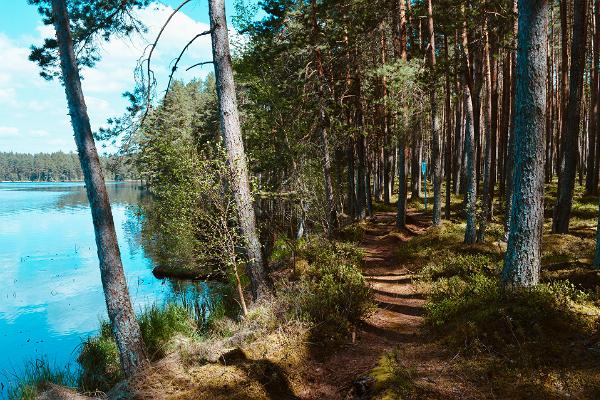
(393, 379)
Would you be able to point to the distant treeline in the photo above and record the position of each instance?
(59, 166)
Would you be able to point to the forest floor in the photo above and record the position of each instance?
(442, 327)
(397, 324)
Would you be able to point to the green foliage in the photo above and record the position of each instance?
(99, 361)
(58, 166)
(99, 356)
(332, 292)
(460, 265)
(478, 312)
(90, 21)
(191, 226)
(161, 324)
(26, 385)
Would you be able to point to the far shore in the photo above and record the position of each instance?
(79, 181)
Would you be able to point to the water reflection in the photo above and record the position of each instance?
(51, 296)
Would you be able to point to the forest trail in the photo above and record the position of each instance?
(396, 323)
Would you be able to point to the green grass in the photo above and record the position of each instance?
(99, 356)
(26, 386)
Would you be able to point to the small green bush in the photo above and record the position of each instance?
(318, 250)
(461, 265)
(334, 297)
(26, 386)
(160, 324)
(351, 233)
(99, 361)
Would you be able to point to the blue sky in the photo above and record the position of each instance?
(33, 112)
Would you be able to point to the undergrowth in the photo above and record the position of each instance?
(36, 373)
(99, 356)
(331, 292)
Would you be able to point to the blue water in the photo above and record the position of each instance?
(50, 292)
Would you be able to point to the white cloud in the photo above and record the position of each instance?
(32, 105)
(38, 133)
(6, 131)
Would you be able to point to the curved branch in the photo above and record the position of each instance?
(153, 46)
(200, 63)
(180, 55)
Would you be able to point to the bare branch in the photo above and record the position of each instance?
(180, 55)
(200, 63)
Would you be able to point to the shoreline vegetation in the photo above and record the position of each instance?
(483, 282)
(329, 296)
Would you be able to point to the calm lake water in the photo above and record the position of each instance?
(50, 292)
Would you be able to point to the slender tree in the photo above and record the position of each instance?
(436, 154)
(236, 156)
(125, 328)
(470, 145)
(566, 184)
(522, 260)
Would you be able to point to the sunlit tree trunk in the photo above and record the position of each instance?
(399, 42)
(470, 150)
(236, 155)
(448, 128)
(487, 164)
(436, 154)
(522, 260)
(125, 328)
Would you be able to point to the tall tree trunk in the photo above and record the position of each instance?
(510, 157)
(448, 127)
(591, 182)
(487, 200)
(332, 222)
(399, 42)
(522, 260)
(125, 328)
(436, 154)
(236, 155)
(564, 201)
(470, 150)
(564, 76)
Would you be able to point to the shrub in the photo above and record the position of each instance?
(334, 297)
(26, 386)
(99, 361)
(461, 265)
(160, 324)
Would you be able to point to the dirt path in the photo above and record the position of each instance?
(396, 323)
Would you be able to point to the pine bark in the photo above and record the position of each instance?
(470, 148)
(566, 185)
(125, 328)
(399, 43)
(236, 155)
(522, 260)
(436, 154)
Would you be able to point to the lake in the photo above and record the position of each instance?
(50, 293)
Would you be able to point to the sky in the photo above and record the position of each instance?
(33, 111)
